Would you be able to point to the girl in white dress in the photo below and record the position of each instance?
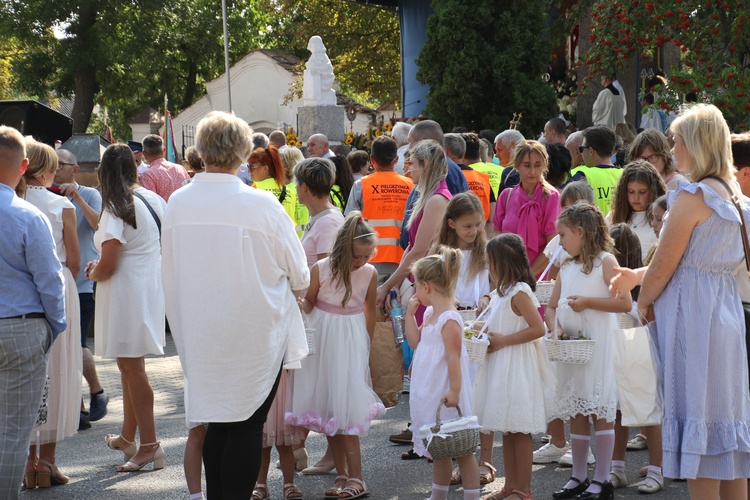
(509, 391)
(639, 185)
(332, 391)
(581, 305)
(440, 370)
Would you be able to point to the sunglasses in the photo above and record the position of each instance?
(581, 149)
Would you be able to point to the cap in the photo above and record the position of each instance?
(135, 147)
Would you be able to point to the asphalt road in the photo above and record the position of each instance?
(91, 465)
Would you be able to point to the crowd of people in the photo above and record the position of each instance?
(310, 253)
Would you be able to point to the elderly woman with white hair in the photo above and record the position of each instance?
(247, 322)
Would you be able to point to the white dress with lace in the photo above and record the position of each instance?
(509, 390)
(591, 388)
(430, 380)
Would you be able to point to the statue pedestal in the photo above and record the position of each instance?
(326, 120)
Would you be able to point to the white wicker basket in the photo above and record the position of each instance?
(453, 444)
(625, 321)
(476, 348)
(468, 315)
(310, 334)
(544, 291)
(577, 352)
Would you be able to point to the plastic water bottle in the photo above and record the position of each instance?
(397, 319)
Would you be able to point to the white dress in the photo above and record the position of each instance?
(64, 368)
(470, 290)
(641, 226)
(129, 319)
(588, 389)
(332, 392)
(430, 380)
(509, 390)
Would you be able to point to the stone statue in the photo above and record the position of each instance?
(318, 76)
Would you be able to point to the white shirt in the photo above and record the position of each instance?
(231, 260)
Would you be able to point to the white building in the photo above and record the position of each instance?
(260, 80)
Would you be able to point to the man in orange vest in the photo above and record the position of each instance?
(479, 182)
(381, 197)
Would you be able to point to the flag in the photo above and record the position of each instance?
(107, 130)
(169, 139)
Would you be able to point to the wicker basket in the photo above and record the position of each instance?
(544, 291)
(625, 321)
(310, 334)
(455, 443)
(577, 352)
(468, 315)
(476, 348)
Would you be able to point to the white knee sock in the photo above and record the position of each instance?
(439, 492)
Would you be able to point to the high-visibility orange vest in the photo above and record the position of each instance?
(479, 184)
(384, 197)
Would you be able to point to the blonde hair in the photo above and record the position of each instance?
(435, 170)
(577, 191)
(596, 238)
(462, 204)
(290, 156)
(353, 228)
(223, 140)
(440, 270)
(705, 134)
(525, 148)
(42, 161)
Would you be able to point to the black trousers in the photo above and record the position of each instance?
(232, 453)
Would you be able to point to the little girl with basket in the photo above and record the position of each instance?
(440, 370)
(510, 385)
(581, 305)
(332, 392)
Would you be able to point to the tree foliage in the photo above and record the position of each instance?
(125, 55)
(484, 61)
(713, 38)
(363, 43)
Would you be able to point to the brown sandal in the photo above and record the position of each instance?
(291, 492)
(522, 495)
(487, 477)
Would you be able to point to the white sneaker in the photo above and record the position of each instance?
(550, 453)
(567, 459)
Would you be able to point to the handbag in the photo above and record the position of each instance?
(638, 373)
(746, 248)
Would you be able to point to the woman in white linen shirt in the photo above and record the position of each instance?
(232, 311)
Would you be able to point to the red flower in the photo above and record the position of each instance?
(663, 105)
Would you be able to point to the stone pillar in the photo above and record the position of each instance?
(323, 119)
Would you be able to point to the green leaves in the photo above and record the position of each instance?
(484, 61)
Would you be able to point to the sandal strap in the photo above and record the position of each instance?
(157, 443)
(341, 478)
(358, 481)
(522, 494)
(488, 465)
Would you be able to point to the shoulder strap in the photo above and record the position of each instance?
(743, 228)
(282, 196)
(153, 214)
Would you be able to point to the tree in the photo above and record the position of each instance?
(713, 38)
(362, 42)
(484, 61)
(124, 54)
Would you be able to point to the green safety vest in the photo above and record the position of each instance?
(604, 182)
(494, 171)
(296, 211)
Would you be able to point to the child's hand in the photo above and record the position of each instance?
(482, 304)
(412, 305)
(451, 399)
(623, 282)
(497, 342)
(578, 303)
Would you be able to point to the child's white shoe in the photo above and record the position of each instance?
(567, 459)
(550, 453)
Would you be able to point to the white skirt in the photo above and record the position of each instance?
(64, 369)
(332, 392)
